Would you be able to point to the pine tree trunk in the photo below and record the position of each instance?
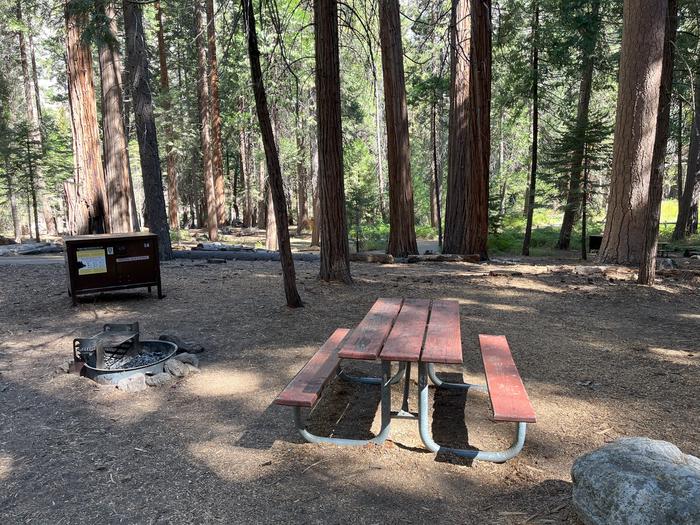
(478, 180)
(381, 182)
(532, 186)
(332, 220)
(573, 197)
(173, 196)
(315, 228)
(691, 191)
(246, 178)
(459, 153)
(203, 98)
(33, 107)
(436, 214)
(635, 128)
(271, 225)
(90, 209)
(302, 207)
(469, 142)
(117, 175)
(29, 163)
(214, 99)
(273, 164)
(261, 218)
(433, 177)
(647, 267)
(144, 118)
(679, 151)
(402, 233)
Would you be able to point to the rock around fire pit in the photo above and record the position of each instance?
(117, 357)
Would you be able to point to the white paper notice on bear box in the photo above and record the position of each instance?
(91, 261)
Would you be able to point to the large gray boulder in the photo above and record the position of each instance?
(637, 481)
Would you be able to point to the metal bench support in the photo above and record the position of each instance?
(444, 384)
(426, 435)
(386, 381)
(371, 380)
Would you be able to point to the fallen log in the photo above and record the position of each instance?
(443, 257)
(242, 255)
(381, 258)
(220, 247)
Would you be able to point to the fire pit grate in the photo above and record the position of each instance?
(117, 352)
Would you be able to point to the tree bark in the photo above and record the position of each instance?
(271, 225)
(214, 99)
(31, 187)
(469, 140)
(332, 220)
(459, 154)
(144, 118)
(381, 182)
(679, 151)
(315, 229)
(90, 210)
(478, 180)
(589, 38)
(691, 191)
(435, 212)
(647, 266)
(173, 196)
(203, 98)
(635, 128)
(246, 178)
(532, 187)
(118, 178)
(261, 218)
(273, 164)
(302, 189)
(402, 233)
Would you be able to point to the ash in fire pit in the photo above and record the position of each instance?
(117, 353)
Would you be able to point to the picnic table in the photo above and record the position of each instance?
(409, 332)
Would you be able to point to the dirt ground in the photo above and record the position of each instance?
(601, 358)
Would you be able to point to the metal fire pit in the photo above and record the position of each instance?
(117, 352)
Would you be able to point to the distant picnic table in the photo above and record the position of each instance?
(407, 332)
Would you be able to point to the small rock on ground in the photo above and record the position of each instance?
(160, 379)
(104, 381)
(133, 383)
(64, 367)
(637, 481)
(186, 357)
(176, 368)
(193, 369)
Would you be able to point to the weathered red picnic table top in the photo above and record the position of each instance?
(407, 330)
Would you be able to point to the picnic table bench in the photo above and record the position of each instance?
(413, 331)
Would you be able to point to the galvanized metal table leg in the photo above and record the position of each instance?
(385, 418)
(444, 384)
(404, 412)
(370, 380)
(482, 455)
(406, 385)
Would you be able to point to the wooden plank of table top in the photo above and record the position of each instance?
(305, 389)
(509, 400)
(443, 338)
(406, 337)
(365, 341)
